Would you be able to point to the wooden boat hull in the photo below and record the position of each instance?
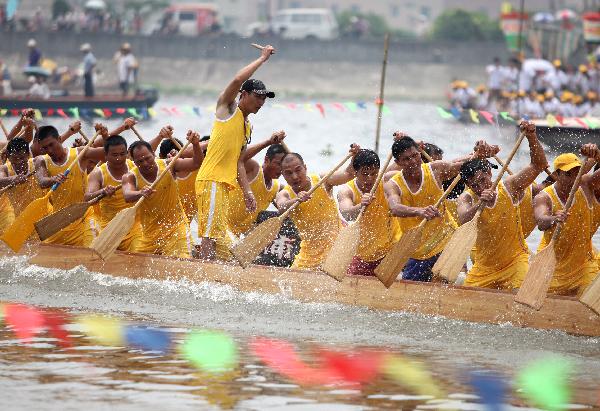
(461, 303)
(111, 105)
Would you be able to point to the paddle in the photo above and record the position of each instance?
(138, 134)
(396, 259)
(246, 249)
(459, 246)
(53, 223)
(4, 130)
(541, 266)
(343, 250)
(386, 45)
(20, 230)
(109, 239)
(13, 185)
(591, 296)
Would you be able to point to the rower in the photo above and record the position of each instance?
(263, 181)
(104, 181)
(316, 217)
(575, 265)
(164, 224)
(501, 257)
(18, 172)
(50, 168)
(224, 162)
(378, 230)
(411, 194)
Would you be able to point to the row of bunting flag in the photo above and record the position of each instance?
(544, 382)
(150, 112)
(476, 116)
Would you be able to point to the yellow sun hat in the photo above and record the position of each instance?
(566, 162)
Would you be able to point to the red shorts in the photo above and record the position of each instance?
(360, 267)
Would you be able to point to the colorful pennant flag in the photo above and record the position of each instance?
(75, 112)
(456, 113)
(99, 112)
(506, 116)
(3, 112)
(488, 116)
(147, 339)
(55, 321)
(61, 113)
(152, 112)
(443, 113)
(321, 108)
(210, 351)
(197, 111)
(362, 104)
(25, 321)
(490, 388)
(134, 113)
(581, 123)
(50, 112)
(474, 116)
(552, 122)
(308, 107)
(103, 330)
(352, 106)
(338, 106)
(412, 375)
(546, 383)
(38, 114)
(385, 110)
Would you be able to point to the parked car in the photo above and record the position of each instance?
(305, 24)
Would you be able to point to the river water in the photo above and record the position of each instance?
(41, 376)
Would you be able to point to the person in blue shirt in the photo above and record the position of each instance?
(89, 63)
(35, 55)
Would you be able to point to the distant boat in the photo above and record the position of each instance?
(103, 105)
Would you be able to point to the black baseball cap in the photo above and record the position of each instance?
(256, 86)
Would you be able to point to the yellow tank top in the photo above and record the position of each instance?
(227, 139)
(526, 212)
(187, 194)
(73, 189)
(318, 223)
(239, 219)
(376, 227)
(436, 232)
(161, 213)
(110, 206)
(21, 195)
(573, 247)
(595, 216)
(452, 207)
(499, 232)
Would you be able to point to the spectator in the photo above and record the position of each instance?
(126, 66)
(39, 88)
(35, 55)
(496, 74)
(89, 63)
(5, 79)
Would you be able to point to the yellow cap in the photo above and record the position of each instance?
(591, 95)
(557, 63)
(454, 84)
(521, 93)
(566, 162)
(540, 98)
(566, 96)
(583, 68)
(481, 88)
(549, 93)
(577, 99)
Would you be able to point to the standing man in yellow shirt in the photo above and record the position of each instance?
(501, 255)
(223, 168)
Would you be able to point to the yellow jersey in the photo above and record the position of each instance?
(7, 214)
(110, 206)
(21, 195)
(164, 224)
(187, 194)
(528, 223)
(318, 223)
(239, 220)
(436, 232)
(500, 253)
(70, 192)
(376, 225)
(227, 139)
(575, 265)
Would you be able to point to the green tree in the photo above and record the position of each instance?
(457, 25)
(60, 7)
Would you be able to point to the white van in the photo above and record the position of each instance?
(305, 24)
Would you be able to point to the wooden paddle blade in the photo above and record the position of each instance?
(535, 286)
(109, 239)
(52, 224)
(591, 296)
(396, 259)
(20, 230)
(249, 247)
(456, 252)
(340, 256)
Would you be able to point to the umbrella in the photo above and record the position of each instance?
(533, 65)
(566, 14)
(35, 71)
(95, 4)
(543, 17)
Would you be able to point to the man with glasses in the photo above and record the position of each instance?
(223, 168)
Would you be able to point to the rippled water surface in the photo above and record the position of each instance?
(41, 376)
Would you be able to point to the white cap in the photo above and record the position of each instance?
(126, 46)
(31, 79)
(85, 47)
(31, 43)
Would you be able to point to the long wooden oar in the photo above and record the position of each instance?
(541, 267)
(138, 134)
(344, 249)
(396, 259)
(459, 246)
(4, 130)
(109, 239)
(591, 296)
(20, 230)
(246, 250)
(53, 223)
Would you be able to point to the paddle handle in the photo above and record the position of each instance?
(443, 197)
(314, 187)
(285, 147)
(386, 46)
(84, 136)
(79, 156)
(570, 200)
(426, 155)
(377, 181)
(165, 171)
(136, 133)
(499, 161)
(11, 185)
(102, 195)
(176, 143)
(257, 46)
